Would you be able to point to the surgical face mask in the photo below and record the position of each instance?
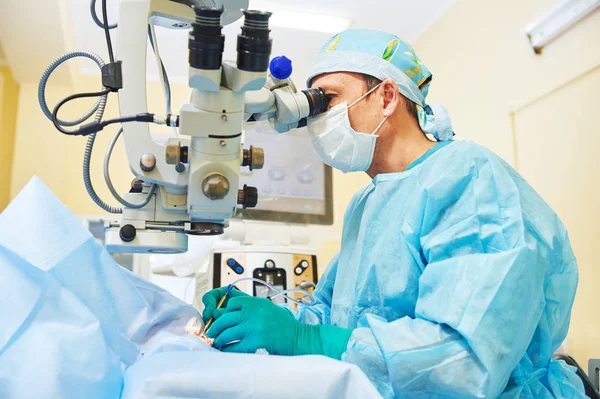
(340, 146)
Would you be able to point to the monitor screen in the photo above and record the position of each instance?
(294, 186)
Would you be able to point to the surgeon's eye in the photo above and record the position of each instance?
(333, 100)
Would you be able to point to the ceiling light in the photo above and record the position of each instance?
(301, 18)
(308, 21)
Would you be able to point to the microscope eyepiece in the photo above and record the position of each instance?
(257, 22)
(254, 43)
(206, 42)
(318, 101)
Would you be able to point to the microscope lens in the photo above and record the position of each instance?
(254, 43)
(206, 42)
(318, 101)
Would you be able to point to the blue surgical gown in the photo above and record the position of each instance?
(457, 279)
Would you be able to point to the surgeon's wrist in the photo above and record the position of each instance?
(322, 339)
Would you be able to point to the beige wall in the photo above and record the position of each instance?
(559, 156)
(39, 148)
(483, 69)
(9, 93)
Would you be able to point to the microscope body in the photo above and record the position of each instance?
(197, 173)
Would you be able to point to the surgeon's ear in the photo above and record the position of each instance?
(391, 97)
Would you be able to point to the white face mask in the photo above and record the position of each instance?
(340, 146)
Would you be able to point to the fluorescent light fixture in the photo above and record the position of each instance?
(301, 18)
(308, 21)
(560, 18)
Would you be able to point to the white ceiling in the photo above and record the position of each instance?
(405, 18)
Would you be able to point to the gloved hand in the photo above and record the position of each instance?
(258, 323)
(212, 298)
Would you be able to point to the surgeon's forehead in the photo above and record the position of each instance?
(336, 81)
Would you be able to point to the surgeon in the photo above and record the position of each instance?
(454, 278)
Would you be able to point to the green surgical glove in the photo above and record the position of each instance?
(258, 323)
(212, 298)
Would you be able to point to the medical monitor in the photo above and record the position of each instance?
(294, 186)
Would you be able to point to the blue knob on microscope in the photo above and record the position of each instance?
(281, 67)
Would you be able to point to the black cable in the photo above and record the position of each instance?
(66, 100)
(133, 118)
(96, 126)
(95, 16)
(107, 32)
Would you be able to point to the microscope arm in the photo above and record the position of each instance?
(134, 16)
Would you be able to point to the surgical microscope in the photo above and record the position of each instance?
(189, 185)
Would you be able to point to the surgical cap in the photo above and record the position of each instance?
(385, 56)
